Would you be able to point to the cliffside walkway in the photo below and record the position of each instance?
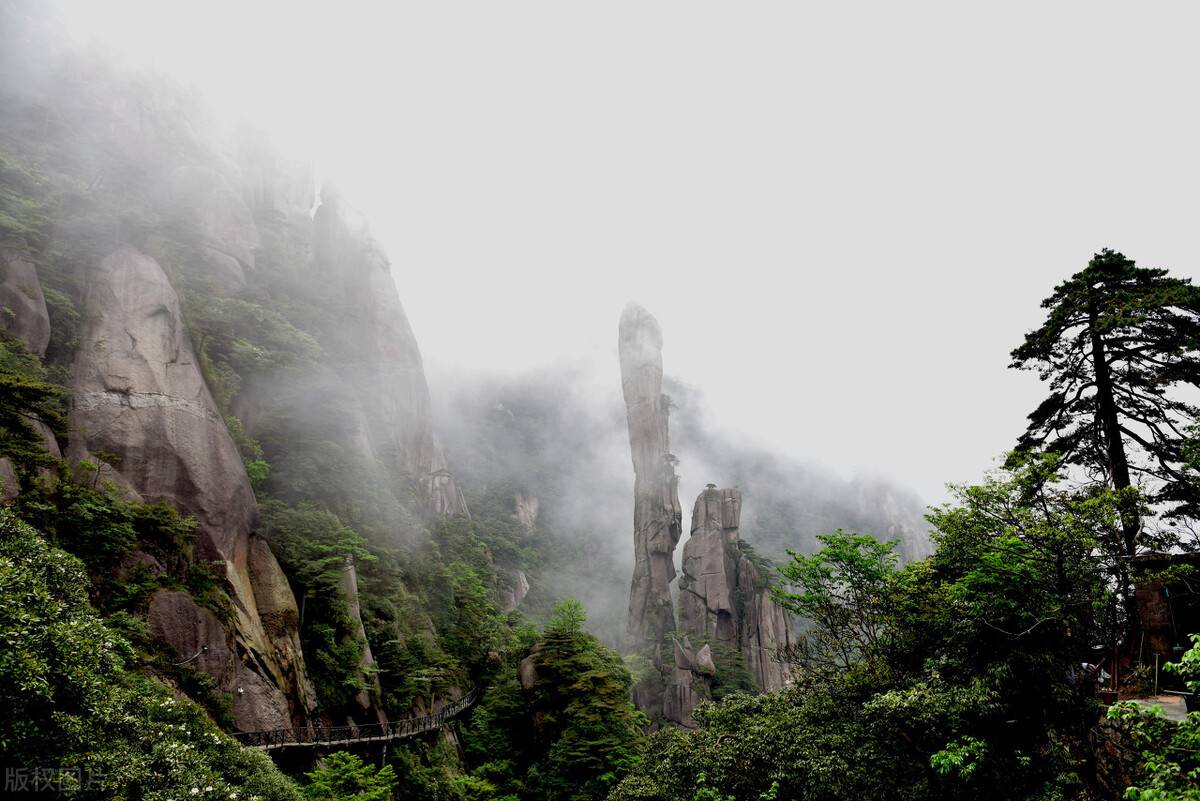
(313, 736)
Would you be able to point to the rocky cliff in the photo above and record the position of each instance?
(378, 353)
(657, 515)
(723, 593)
(204, 318)
(141, 409)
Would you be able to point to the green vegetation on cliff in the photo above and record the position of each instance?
(75, 703)
(556, 721)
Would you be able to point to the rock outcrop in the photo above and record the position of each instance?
(710, 567)
(22, 304)
(23, 314)
(379, 356)
(657, 515)
(515, 589)
(370, 698)
(671, 692)
(217, 218)
(141, 409)
(685, 684)
(723, 595)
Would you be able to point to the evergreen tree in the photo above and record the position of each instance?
(1117, 342)
(559, 715)
(26, 399)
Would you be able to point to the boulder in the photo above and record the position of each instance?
(527, 670)
(704, 662)
(684, 659)
(197, 636)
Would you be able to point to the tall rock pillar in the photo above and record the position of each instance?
(724, 596)
(657, 515)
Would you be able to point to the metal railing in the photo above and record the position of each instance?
(347, 735)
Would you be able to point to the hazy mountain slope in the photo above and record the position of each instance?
(218, 323)
(558, 435)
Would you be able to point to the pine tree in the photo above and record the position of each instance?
(1118, 341)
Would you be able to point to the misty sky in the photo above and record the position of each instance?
(843, 214)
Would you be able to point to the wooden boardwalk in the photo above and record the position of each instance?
(320, 736)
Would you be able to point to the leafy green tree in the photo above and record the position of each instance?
(842, 591)
(312, 544)
(567, 618)
(72, 702)
(1170, 752)
(95, 521)
(953, 678)
(342, 776)
(1117, 343)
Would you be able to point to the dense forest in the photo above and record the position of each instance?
(239, 559)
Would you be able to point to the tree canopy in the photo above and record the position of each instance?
(1118, 340)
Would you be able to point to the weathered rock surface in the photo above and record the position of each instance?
(710, 567)
(527, 507)
(680, 698)
(195, 633)
(141, 408)
(766, 631)
(22, 304)
(23, 313)
(723, 596)
(380, 357)
(369, 699)
(207, 203)
(527, 670)
(515, 591)
(203, 642)
(657, 515)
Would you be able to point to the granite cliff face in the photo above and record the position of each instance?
(165, 232)
(723, 594)
(657, 515)
(379, 355)
(141, 408)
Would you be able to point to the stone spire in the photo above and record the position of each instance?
(723, 594)
(657, 515)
